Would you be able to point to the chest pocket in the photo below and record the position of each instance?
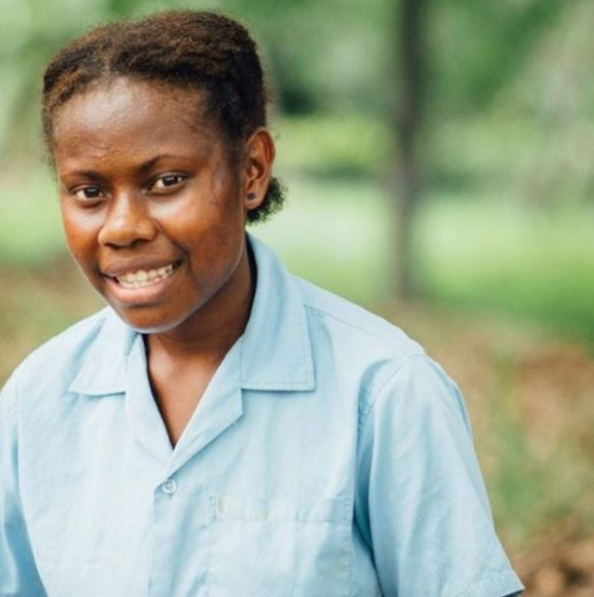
(279, 548)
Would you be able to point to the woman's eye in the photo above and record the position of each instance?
(167, 181)
(87, 194)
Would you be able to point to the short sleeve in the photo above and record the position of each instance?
(421, 503)
(18, 573)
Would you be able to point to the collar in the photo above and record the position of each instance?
(275, 349)
(276, 352)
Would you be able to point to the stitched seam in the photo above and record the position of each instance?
(15, 416)
(379, 387)
(485, 579)
(418, 349)
(255, 386)
(13, 401)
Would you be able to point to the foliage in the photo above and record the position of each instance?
(336, 38)
(519, 61)
(477, 48)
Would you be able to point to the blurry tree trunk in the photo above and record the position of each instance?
(405, 190)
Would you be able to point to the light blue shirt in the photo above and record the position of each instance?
(329, 457)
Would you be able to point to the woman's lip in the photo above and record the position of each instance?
(153, 292)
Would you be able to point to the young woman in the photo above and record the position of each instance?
(222, 428)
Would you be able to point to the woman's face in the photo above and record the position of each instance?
(153, 211)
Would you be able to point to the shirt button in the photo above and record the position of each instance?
(169, 487)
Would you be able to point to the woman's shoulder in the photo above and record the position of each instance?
(356, 327)
(57, 361)
(359, 345)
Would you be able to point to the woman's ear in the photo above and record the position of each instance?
(257, 169)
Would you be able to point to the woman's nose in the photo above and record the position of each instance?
(128, 221)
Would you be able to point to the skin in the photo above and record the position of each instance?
(146, 182)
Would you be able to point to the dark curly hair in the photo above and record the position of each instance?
(199, 50)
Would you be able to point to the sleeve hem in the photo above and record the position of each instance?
(500, 584)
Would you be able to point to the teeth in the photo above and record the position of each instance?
(143, 278)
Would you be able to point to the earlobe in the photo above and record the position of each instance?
(253, 200)
(259, 157)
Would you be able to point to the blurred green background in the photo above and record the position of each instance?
(440, 164)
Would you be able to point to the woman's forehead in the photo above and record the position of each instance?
(113, 102)
(129, 119)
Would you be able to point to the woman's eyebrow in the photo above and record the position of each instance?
(145, 166)
(142, 168)
(91, 174)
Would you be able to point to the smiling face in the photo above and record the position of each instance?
(153, 209)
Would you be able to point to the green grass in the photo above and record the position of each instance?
(30, 229)
(336, 146)
(493, 255)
